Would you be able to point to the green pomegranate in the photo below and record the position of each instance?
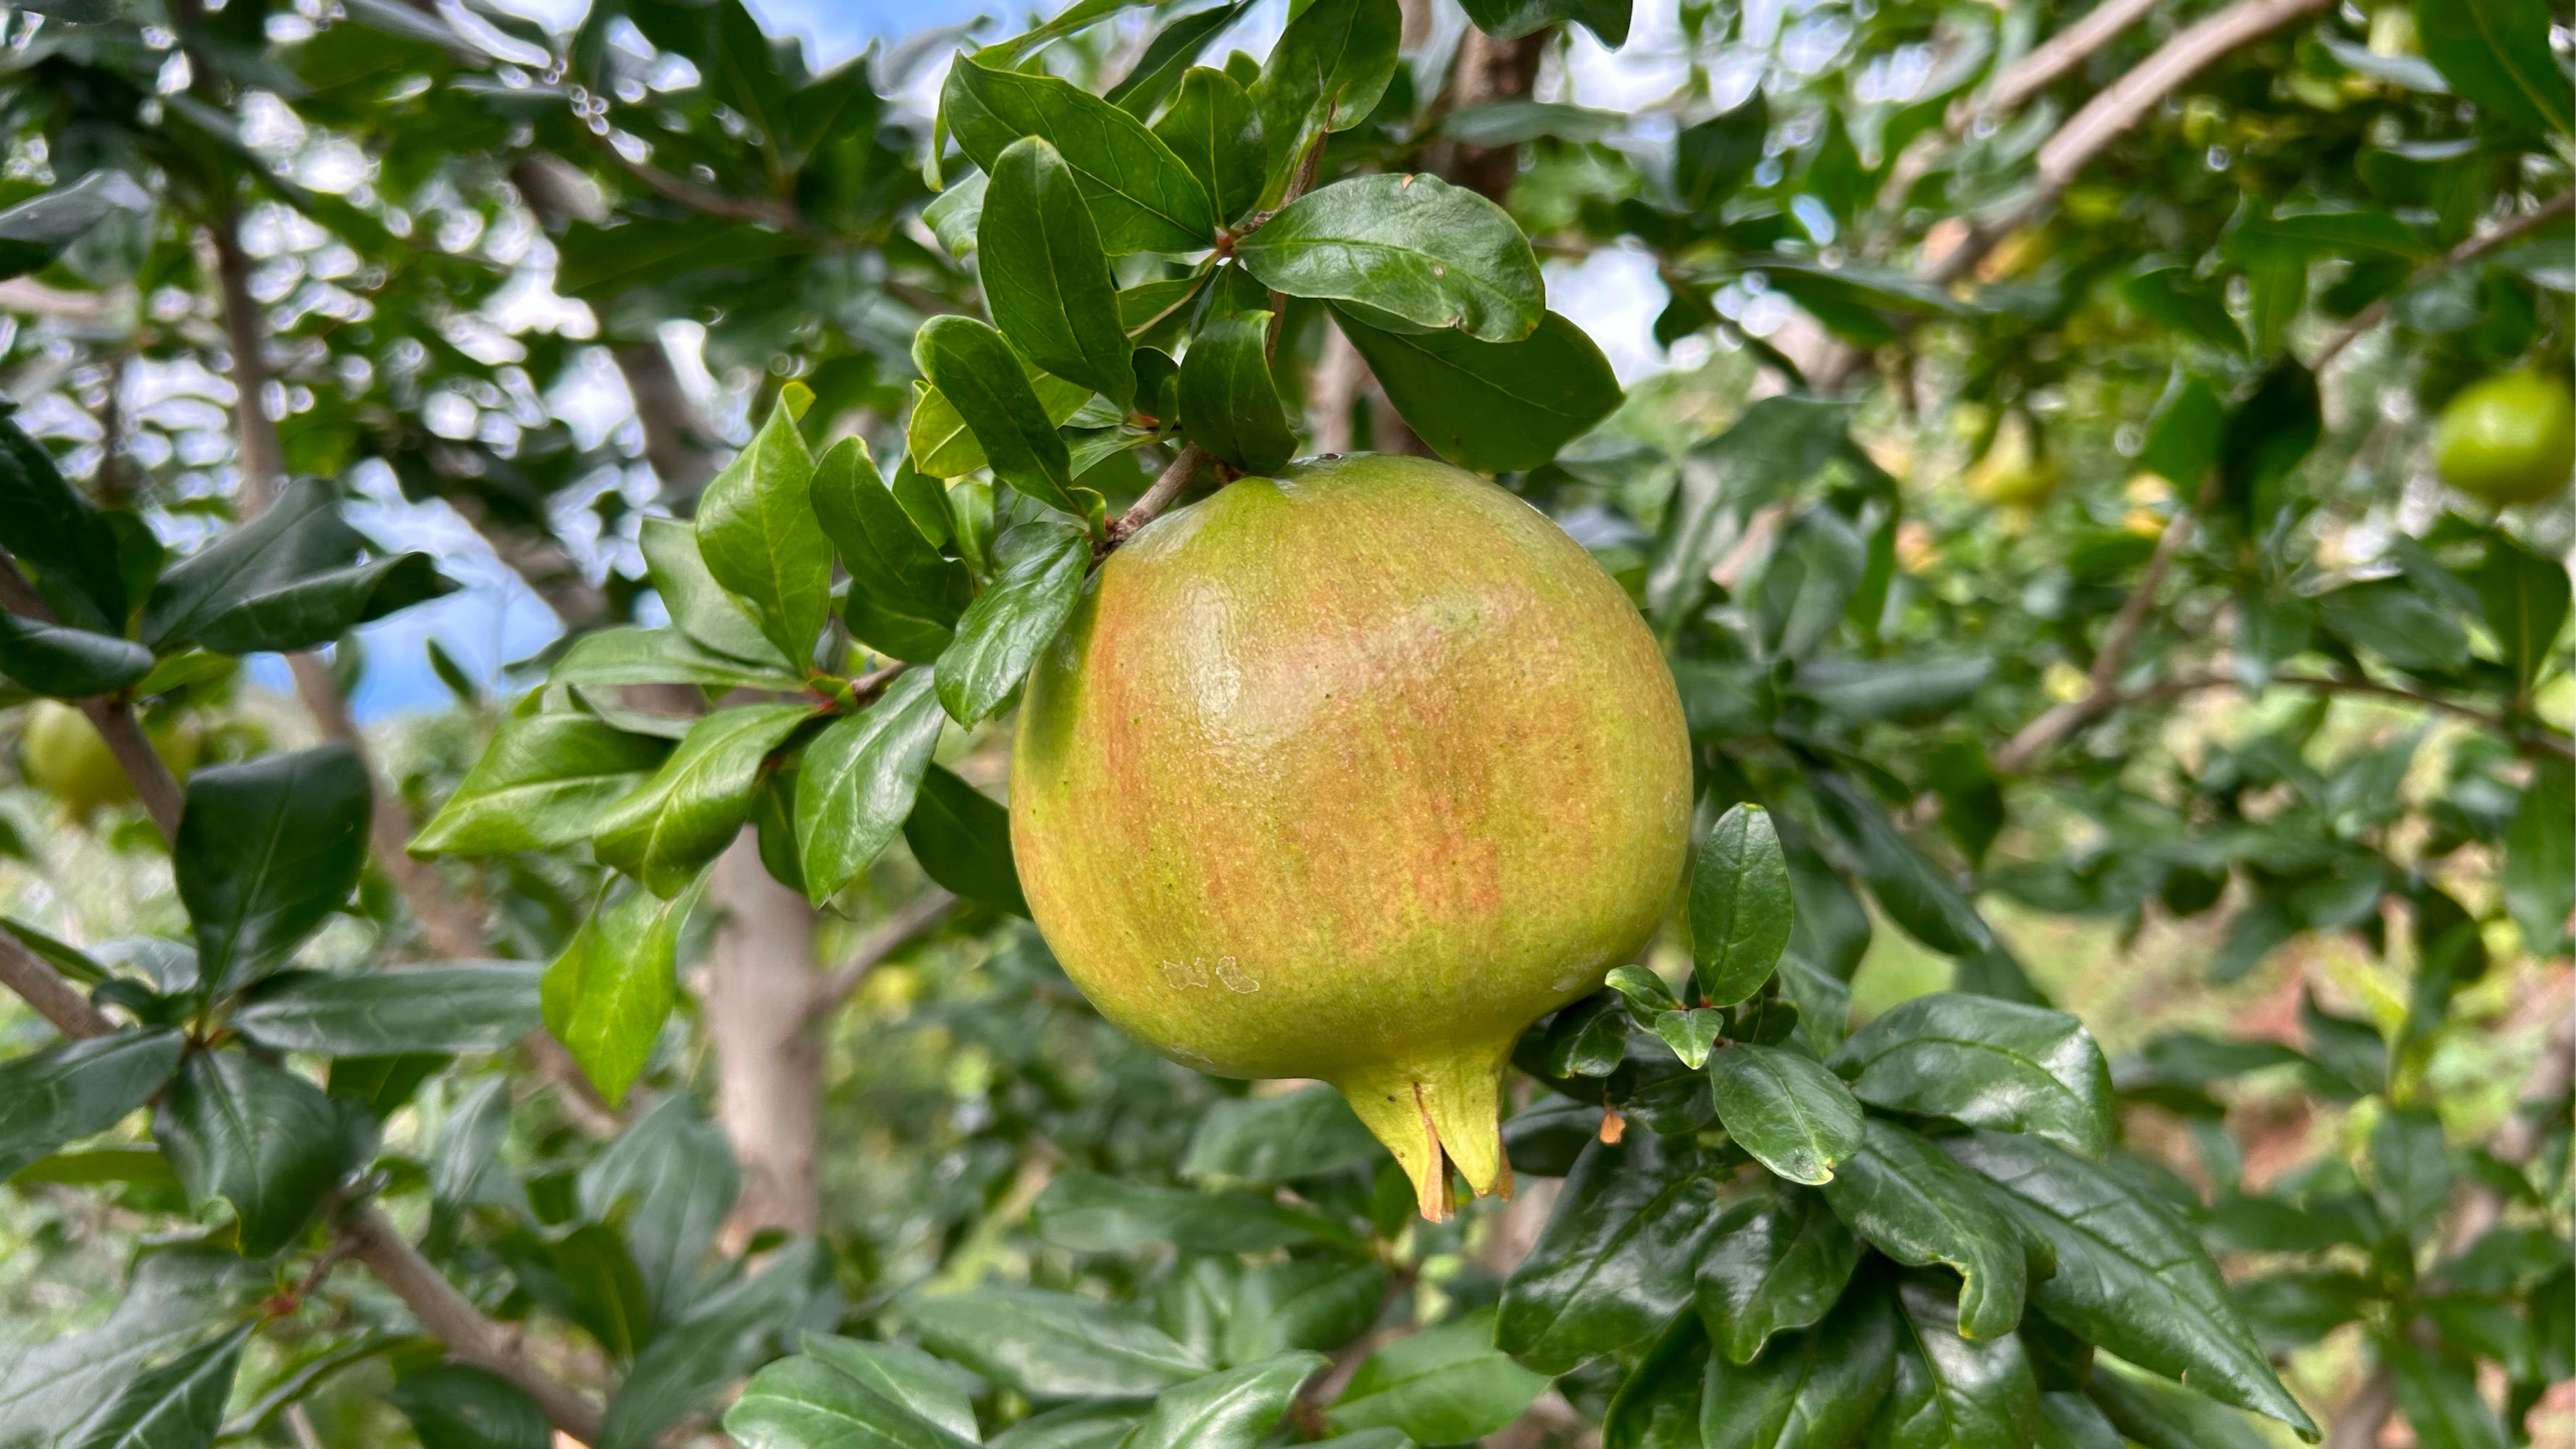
(60, 753)
(2510, 438)
(1352, 773)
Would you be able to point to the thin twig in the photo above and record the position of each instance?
(44, 988)
(2545, 740)
(1159, 497)
(263, 458)
(2459, 256)
(915, 917)
(2060, 54)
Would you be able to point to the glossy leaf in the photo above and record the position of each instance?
(1211, 127)
(1987, 1063)
(1053, 1346)
(1741, 912)
(78, 1089)
(2497, 53)
(2162, 1415)
(858, 781)
(68, 663)
(1046, 279)
(757, 531)
(1415, 247)
(1795, 1117)
(1613, 1266)
(1168, 56)
(545, 780)
(1305, 1133)
(461, 1008)
(266, 850)
(1235, 1409)
(962, 838)
(941, 444)
(1229, 405)
(660, 656)
(937, 1390)
(2130, 1275)
(807, 1403)
(904, 596)
(176, 1405)
(2072, 1421)
(1001, 633)
(1507, 19)
(717, 1340)
(1658, 1406)
(1771, 1266)
(1809, 1390)
(51, 526)
(1327, 72)
(979, 374)
(175, 1295)
(1917, 1206)
(691, 808)
(258, 1136)
(701, 607)
(606, 996)
(1493, 407)
(1318, 1303)
(1140, 195)
(459, 1406)
(1443, 1385)
(1951, 1392)
(295, 577)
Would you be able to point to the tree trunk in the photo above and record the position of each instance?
(1493, 70)
(769, 1066)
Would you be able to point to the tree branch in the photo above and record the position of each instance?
(2544, 740)
(2459, 256)
(1166, 488)
(2061, 53)
(915, 917)
(263, 458)
(42, 987)
(111, 716)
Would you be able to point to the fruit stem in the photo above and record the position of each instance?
(1433, 1115)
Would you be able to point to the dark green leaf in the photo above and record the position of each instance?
(2130, 1274)
(1327, 72)
(1229, 405)
(1920, 1208)
(462, 1008)
(1795, 1117)
(1415, 247)
(1211, 128)
(1658, 1406)
(1513, 122)
(2540, 855)
(1492, 406)
(2497, 53)
(938, 1391)
(1046, 280)
(692, 807)
(979, 374)
(68, 663)
(2182, 436)
(2071, 1421)
(719, 1339)
(266, 850)
(1165, 60)
(808, 1403)
(2163, 1415)
(943, 446)
(699, 606)
(178, 1405)
(2389, 618)
(904, 597)
(258, 1136)
(1053, 1346)
(458, 1406)
(35, 231)
(51, 527)
(1613, 1267)
(963, 841)
(1319, 1303)
(669, 1180)
(1952, 1392)
(606, 996)
(1443, 1385)
(545, 780)
(1235, 1409)
(289, 579)
(2411, 1167)
(858, 781)
(660, 656)
(1140, 195)
(1507, 19)
(1299, 1134)
(1740, 909)
(1987, 1063)
(1773, 1265)
(78, 1089)
(175, 1294)
(1002, 631)
(1814, 1389)
(1089, 1213)
(2266, 437)
(1779, 441)
(2524, 597)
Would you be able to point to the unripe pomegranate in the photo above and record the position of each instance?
(2510, 438)
(60, 753)
(1352, 774)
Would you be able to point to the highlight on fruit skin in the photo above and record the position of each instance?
(2509, 438)
(1352, 774)
(60, 752)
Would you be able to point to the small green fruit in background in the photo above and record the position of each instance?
(60, 753)
(2014, 473)
(1352, 774)
(2510, 438)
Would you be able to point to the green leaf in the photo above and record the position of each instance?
(2389, 618)
(2071, 1421)
(2441, 1402)
(1212, 128)
(1511, 19)
(809, 1403)
(1168, 56)
(1613, 1266)
(941, 444)
(1795, 1117)
(1002, 631)
(1444, 1385)
(35, 231)
(668, 1181)
(1414, 247)
(938, 1391)
(1773, 1265)
(462, 1008)
(174, 1295)
(1514, 122)
(699, 606)
(1053, 1346)
(78, 1089)
(1951, 1392)
(1235, 1409)
(1814, 1389)
(1229, 405)
(979, 374)
(962, 839)
(2524, 598)
(858, 781)
(1305, 1133)
(2411, 1168)
(904, 596)
(717, 1340)
(2161, 1415)
(1327, 72)
(2540, 855)
(2182, 434)
(1317, 1303)
(1046, 280)
(757, 532)
(660, 656)
(693, 806)
(459, 1406)
(1778, 442)
(545, 780)
(2265, 439)
(292, 578)
(2497, 53)
(1741, 912)
(606, 996)
(2130, 1275)
(1920, 1208)
(1691, 1034)
(1987, 1063)
(1494, 407)
(1919, 895)
(1076, 1426)
(178, 1405)
(1140, 195)
(52, 528)
(1657, 1407)
(266, 850)
(258, 1136)
(68, 663)
(954, 214)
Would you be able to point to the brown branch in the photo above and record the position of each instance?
(2357, 1424)
(263, 458)
(910, 920)
(2459, 256)
(2059, 55)
(1159, 497)
(42, 987)
(766, 210)
(2542, 739)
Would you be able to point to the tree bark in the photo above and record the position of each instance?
(769, 1065)
(1493, 70)
(262, 458)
